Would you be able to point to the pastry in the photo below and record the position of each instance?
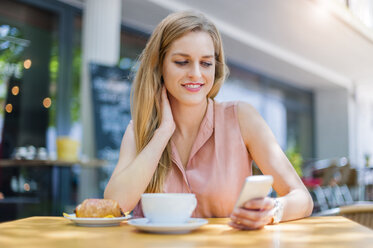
(98, 208)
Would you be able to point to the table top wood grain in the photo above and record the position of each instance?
(331, 231)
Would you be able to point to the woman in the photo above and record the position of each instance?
(180, 140)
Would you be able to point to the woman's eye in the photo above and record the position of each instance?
(181, 62)
(206, 64)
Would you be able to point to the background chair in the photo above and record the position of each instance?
(361, 213)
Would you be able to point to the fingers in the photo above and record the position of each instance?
(167, 122)
(243, 222)
(254, 215)
(164, 91)
(165, 101)
(260, 204)
(164, 94)
(242, 227)
(246, 225)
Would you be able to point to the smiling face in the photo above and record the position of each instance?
(189, 68)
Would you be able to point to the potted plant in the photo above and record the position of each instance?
(295, 159)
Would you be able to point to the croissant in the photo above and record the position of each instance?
(98, 208)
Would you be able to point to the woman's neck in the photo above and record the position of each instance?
(187, 118)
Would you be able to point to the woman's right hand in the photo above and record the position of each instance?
(167, 122)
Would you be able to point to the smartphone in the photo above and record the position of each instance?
(254, 187)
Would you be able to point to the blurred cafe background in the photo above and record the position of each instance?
(65, 79)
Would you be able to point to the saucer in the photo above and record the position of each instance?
(96, 222)
(143, 224)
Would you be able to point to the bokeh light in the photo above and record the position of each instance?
(15, 90)
(47, 102)
(26, 187)
(9, 108)
(27, 63)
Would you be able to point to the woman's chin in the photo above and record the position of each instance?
(192, 101)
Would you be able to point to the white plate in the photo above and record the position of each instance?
(143, 224)
(97, 222)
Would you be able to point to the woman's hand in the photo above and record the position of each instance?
(255, 214)
(167, 123)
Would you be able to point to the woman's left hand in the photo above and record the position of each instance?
(255, 214)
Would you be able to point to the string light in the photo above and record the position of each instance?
(15, 90)
(47, 102)
(27, 64)
(9, 108)
(26, 187)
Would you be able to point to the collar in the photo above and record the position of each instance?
(205, 131)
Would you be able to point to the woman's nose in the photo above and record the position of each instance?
(195, 71)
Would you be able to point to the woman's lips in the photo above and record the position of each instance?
(192, 87)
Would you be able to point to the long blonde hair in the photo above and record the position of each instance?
(146, 92)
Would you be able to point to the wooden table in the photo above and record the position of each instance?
(332, 231)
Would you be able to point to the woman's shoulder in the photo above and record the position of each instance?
(129, 129)
(225, 110)
(241, 108)
(251, 122)
(129, 125)
(224, 104)
(247, 114)
(245, 108)
(239, 111)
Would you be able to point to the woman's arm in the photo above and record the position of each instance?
(271, 160)
(134, 172)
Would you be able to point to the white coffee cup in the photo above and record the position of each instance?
(174, 208)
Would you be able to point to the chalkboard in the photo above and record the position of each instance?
(111, 87)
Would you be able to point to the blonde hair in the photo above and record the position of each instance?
(146, 92)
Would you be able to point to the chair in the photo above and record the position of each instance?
(327, 197)
(319, 199)
(361, 213)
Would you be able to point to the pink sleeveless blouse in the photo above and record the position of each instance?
(218, 164)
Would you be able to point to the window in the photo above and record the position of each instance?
(26, 49)
(286, 109)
